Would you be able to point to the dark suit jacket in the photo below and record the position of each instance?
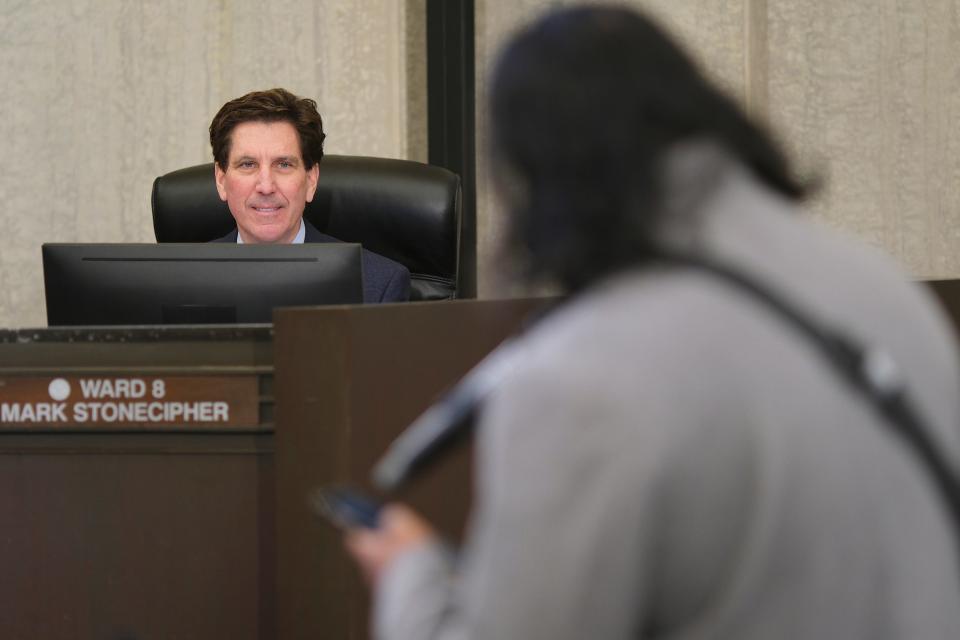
(383, 279)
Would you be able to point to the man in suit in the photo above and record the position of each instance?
(267, 147)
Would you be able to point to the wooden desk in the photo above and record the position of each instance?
(134, 533)
(198, 531)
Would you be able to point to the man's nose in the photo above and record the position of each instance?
(265, 182)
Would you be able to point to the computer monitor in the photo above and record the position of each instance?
(220, 283)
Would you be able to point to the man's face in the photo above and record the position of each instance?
(265, 183)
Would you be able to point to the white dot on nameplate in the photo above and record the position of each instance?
(59, 389)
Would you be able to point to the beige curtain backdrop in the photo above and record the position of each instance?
(864, 93)
(102, 96)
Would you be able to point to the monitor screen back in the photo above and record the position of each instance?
(222, 283)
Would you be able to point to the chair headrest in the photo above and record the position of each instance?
(404, 210)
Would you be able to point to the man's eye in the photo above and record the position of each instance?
(246, 164)
(284, 164)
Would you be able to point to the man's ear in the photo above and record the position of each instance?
(218, 175)
(312, 176)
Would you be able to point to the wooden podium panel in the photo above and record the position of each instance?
(144, 540)
(145, 531)
(143, 527)
(347, 381)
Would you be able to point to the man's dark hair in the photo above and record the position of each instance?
(273, 105)
(585, 105)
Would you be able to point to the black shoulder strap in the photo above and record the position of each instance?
(870, 371)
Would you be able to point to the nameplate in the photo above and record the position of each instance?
(129, 402)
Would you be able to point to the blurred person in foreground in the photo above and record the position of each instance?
(670, 458)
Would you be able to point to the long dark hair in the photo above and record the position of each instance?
(585, 103)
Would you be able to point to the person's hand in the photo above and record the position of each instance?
(400, 530)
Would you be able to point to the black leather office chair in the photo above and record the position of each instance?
(407, 211)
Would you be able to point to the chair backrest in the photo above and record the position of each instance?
(404, 210)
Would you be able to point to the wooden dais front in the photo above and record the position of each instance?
(136, 483)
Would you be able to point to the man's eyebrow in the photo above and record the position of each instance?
(290, 159)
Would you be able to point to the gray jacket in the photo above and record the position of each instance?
(672, 461)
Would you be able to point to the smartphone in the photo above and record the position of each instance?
(346, 508)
